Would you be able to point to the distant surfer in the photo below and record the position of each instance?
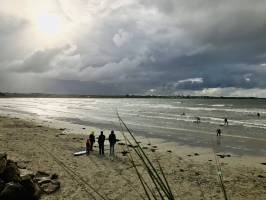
(198, 120)
(258, 115)
(112, 141)
(183, 113)
(226, 121)
(218, 132)
(101, 140)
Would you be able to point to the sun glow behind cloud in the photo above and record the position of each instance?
(48, 24)
(49, 29)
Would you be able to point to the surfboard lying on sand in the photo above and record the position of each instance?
(79, 153)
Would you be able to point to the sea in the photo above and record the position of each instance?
(172, 120)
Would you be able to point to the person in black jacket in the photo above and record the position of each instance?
(112, 141)
(88, 146)
(218, 132)
(92, 140)
(101, 140)
(225, 121)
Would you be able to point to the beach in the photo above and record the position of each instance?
(191, 172)
(174, 92)
(155, 118)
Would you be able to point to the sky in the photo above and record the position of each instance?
(150, 47)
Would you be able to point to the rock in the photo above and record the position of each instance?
(26, 172)
(3, 162)
(22, 164)
(40, 175)
(11, 172)
(260, 176)
(2, 185)
(47, 183)
(15, 191)
(20, 184)
(49, 186)
(196, 154)
(169, 151)
(263, 163)
(32, 188)
(11, 191)
(54, 176)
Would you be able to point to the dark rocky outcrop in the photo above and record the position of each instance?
(17, 184)
(3, 162)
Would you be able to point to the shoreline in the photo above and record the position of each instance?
(129, 96)
(32, 145)
(163, 145)
(236, 138)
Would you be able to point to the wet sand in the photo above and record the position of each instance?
(191, 172)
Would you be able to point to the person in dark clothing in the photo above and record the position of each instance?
(92, 140)
(258, 114)
(198, 120)
(112, 141)
(101, 140)
(218, 131)
(225, 121)
(88, 146)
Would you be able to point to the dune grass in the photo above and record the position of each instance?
(155, 184)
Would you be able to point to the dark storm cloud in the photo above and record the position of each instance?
(228, 43)
(38, 62)
(154, 45)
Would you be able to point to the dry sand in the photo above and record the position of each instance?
(191, 176)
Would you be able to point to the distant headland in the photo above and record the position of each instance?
(44, 95)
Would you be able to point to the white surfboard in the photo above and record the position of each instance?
(79, 153)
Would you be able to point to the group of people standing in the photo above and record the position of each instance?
(101, 139)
